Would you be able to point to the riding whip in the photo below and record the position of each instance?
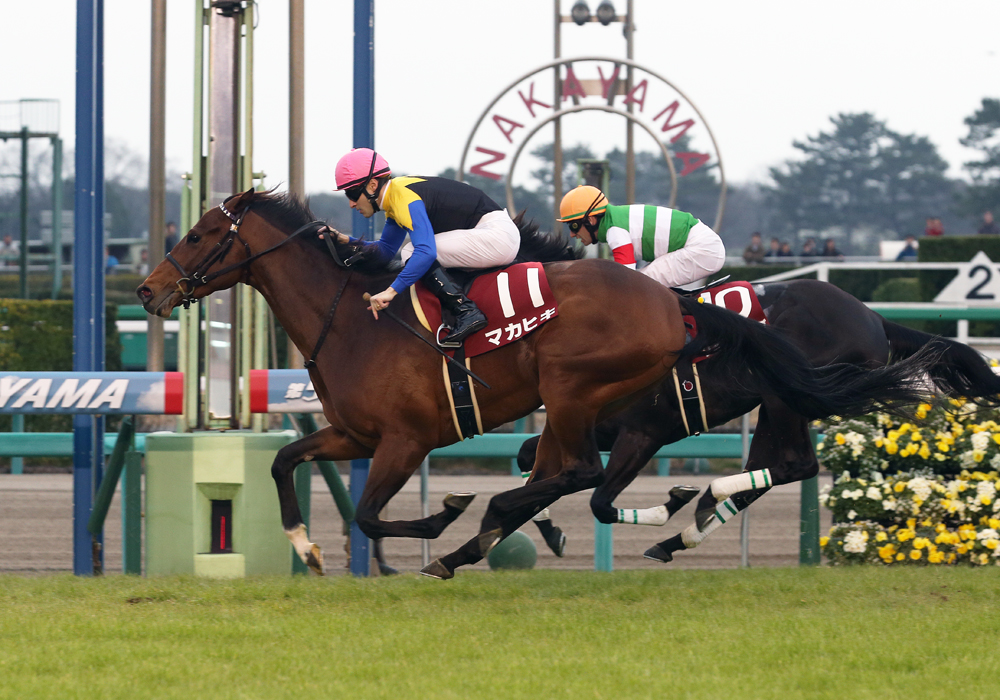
(441, 352)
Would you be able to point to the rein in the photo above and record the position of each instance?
(198, 278)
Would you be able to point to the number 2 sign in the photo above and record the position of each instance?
(977, 282)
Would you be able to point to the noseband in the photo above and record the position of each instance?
(199, 278)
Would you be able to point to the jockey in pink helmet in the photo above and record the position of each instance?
(450, 224)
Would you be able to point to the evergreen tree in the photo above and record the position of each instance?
(984, 192)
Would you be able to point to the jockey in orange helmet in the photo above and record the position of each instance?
(678, 248)
(450, 224)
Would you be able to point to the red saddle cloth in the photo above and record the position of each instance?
(738, 297)
(516, 301)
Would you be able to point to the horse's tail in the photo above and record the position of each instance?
(758, 360)
(959, 372)
(543, 247)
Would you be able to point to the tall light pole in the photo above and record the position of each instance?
(605, 14)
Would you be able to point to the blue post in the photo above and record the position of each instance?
(88, 265)
(364, 137)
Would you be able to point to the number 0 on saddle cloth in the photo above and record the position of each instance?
(516, 301)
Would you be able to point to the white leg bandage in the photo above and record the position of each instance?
(644, 516)
(543, 514)
(747, 481)
(725, 511)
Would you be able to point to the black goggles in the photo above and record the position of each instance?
(354, 193)
(574, 226)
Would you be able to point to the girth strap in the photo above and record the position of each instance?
(689, 397)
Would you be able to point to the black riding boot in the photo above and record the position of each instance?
(468, 317)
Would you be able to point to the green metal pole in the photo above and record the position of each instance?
(604, 547)
(23, 262)
(303, 479)
(57, 205)
(132, 513)
(809, 554)
(17, 426)
(102, 501)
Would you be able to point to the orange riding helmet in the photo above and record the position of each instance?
(581, 202)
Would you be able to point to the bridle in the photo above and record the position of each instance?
(198, 277)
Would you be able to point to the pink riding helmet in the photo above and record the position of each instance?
(358, 167)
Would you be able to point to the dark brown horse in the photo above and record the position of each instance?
(828, 326)
(382, 391)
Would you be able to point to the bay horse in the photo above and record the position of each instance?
(382, 390)
(829, 326)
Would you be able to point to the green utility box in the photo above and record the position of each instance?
(211, 504)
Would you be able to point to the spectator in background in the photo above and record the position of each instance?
(809, 249)
(909, 253)
(110, 262)
(754, 253)
(786, 250)
(830, 250)
(989, 225)
(775, 249)
(934, 227)
(144, 261)
(170, 237)
(10, 251)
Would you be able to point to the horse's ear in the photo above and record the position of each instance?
(238, 202)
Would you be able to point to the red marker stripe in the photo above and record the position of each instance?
(258, 390)
(173, 393)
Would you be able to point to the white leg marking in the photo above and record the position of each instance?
(657, 515)
(300, 541)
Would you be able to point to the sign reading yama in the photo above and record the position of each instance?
(92, 392)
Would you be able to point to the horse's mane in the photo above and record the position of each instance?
(288, 213)
(543, 247)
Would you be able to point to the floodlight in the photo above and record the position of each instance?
(580, 12)
(606, 13)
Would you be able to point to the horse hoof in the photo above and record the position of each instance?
(684, 493)
(386, 570)
(314, 560)
(556, 541)
(489, 540)
(459, 500)
(656, 553)
(437, 570)
(703, 518)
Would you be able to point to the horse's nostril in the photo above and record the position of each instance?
(144, 293)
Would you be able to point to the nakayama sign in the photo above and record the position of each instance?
(590, 84)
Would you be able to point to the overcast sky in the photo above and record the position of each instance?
(761, 73)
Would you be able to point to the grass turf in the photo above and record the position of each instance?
(852, 633)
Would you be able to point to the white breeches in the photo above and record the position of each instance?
(704, 254)
(494, 242)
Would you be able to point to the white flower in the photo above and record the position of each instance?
(889, 505)
(852, 514)
(874, 493)
(987, 534)
(855, 542)
(980, 441)
(920, 486)
(878, 478)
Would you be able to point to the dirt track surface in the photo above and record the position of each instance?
(36, 526)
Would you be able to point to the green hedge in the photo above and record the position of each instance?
(119, 288)
(37, 336)
(860, 284)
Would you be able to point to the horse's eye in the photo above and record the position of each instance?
(193, 238)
